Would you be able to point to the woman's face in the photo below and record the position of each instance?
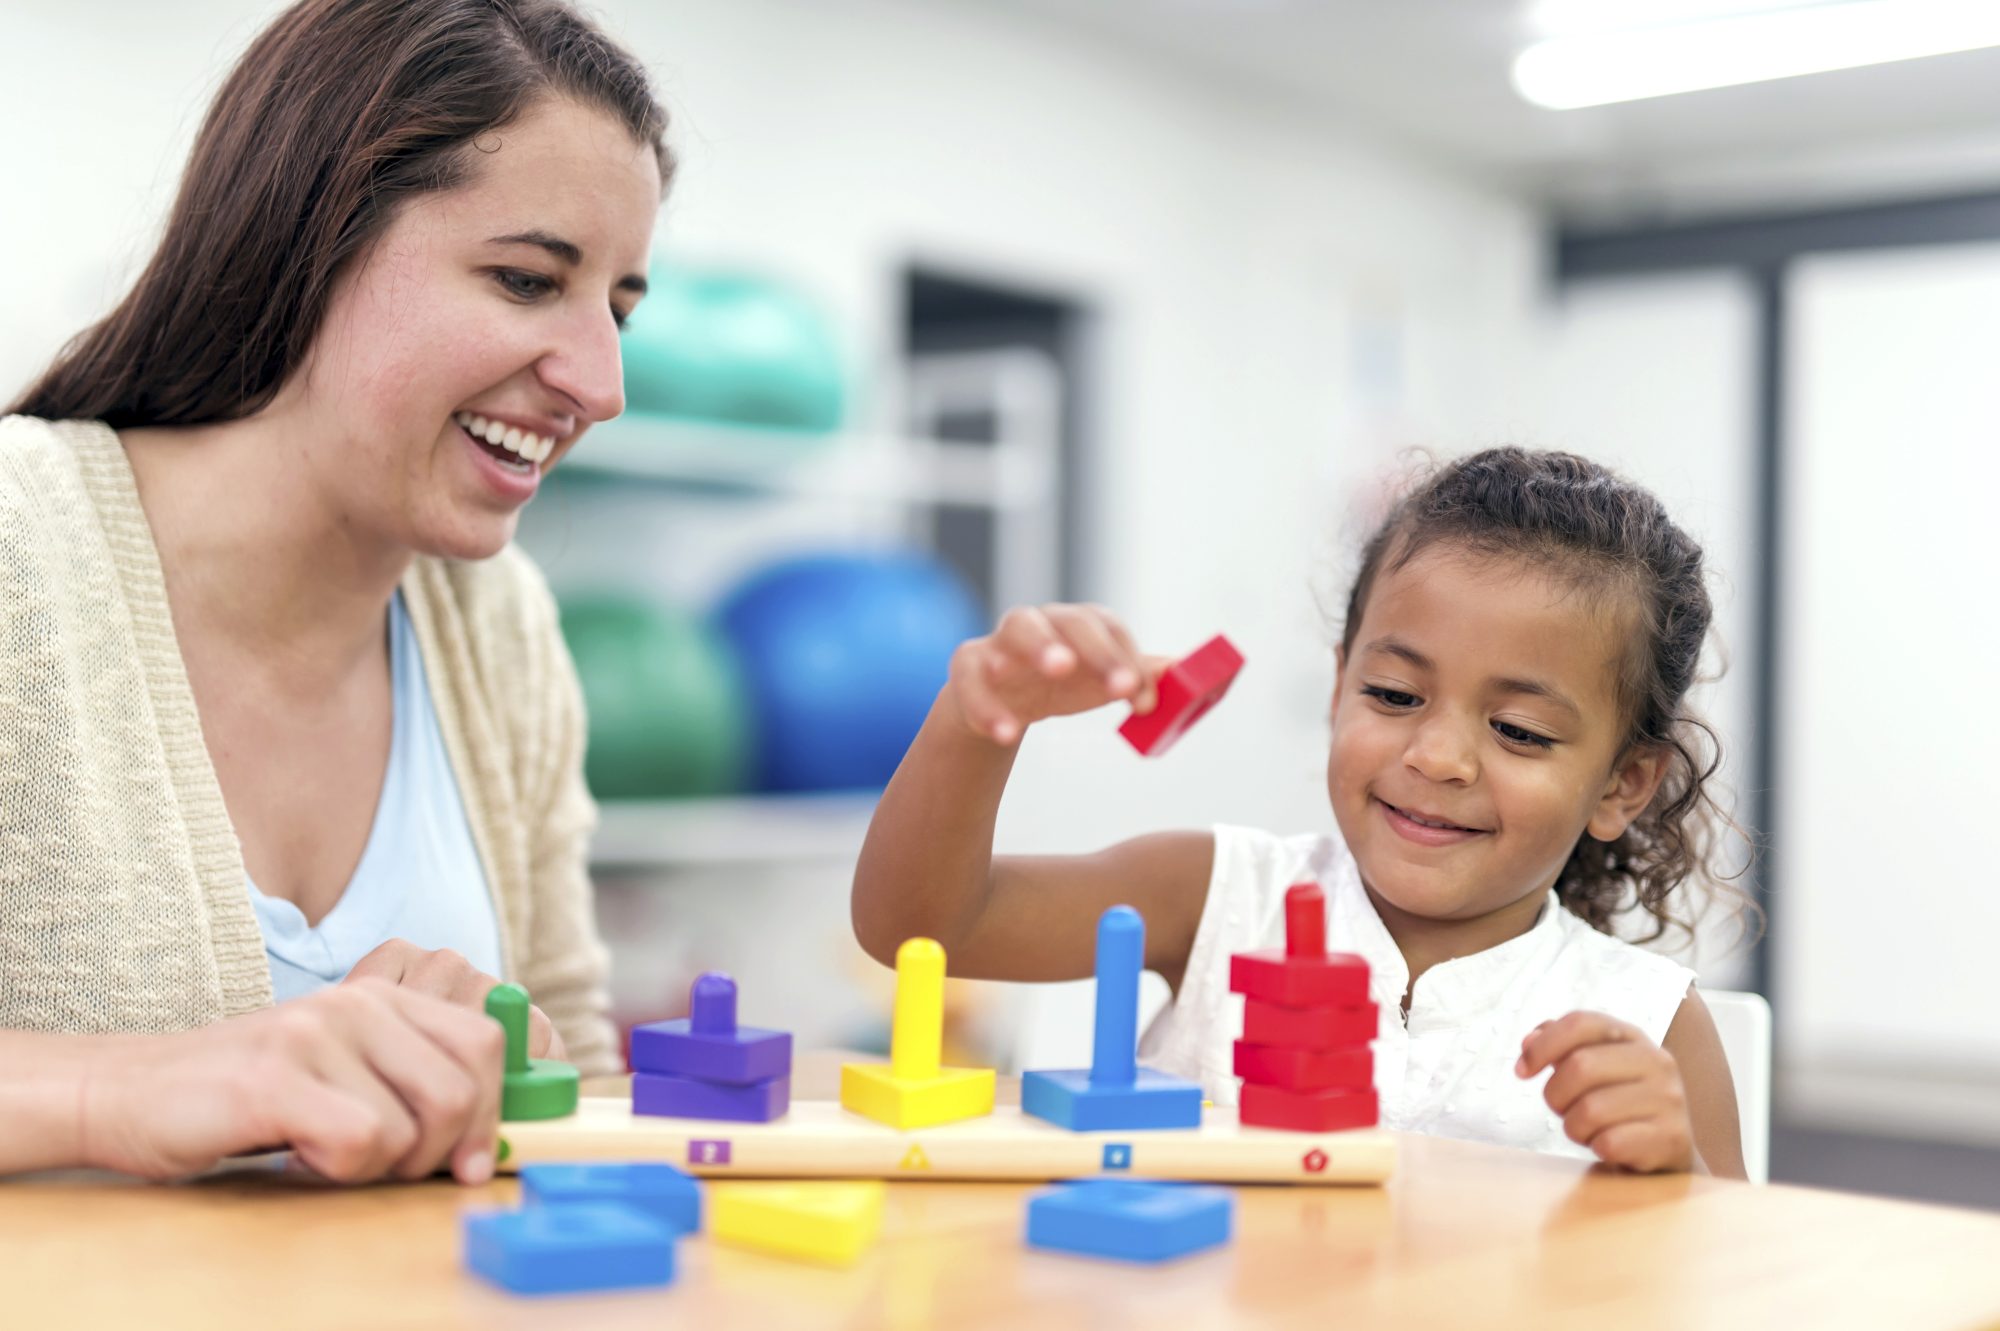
(494, 306)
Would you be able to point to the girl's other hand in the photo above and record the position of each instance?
(1616, 1091)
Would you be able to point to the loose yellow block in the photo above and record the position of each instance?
(874, 1089)
(818, 1222)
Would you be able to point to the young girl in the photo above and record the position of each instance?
(1511, 764)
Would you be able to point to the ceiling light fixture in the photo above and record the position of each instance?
(1594, 69)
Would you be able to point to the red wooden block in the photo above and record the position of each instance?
(1270, 1025)
(1338, 979)
(1306, 1069)
(1305, 974)
(1186, 691)
(1305, 1111)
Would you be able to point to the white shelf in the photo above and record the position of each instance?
(743, 830)
(734, 460)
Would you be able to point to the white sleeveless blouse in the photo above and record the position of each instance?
(1448, 1071)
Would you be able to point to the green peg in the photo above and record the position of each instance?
(531, 1087)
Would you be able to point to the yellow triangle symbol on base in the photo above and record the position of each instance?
(915, 1158)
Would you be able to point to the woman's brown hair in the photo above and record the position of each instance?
(1586, 523)
(339, 113)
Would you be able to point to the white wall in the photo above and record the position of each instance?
(1891, 895)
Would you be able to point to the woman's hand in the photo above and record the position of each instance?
(444, 974)
(361, 1080)
(1616, 1091)
(1046, 661)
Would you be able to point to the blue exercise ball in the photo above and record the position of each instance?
(842, 655)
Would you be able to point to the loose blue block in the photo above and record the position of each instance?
(658, 1094)
(1130, 1220)
(1115, 1093)
(565, 1249)
(667, 1194)
(1070, 1099)
(707, 1044)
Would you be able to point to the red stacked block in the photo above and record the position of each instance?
(1304, 1057)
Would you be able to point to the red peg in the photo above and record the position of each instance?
(1305, 920)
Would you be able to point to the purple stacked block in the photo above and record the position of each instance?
(706, 1066)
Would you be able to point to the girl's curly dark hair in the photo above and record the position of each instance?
(1584, 522)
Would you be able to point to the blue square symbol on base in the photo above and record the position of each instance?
(1069, 1100)
(1130, 1220)
(1117, 1155)
(569, 1248)
(658, 1190)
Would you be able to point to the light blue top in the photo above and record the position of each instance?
(419, 877)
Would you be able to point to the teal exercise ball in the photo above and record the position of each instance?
(842, 656)
(668, 712)
(732, 347)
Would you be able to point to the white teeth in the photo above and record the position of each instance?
(525, 444)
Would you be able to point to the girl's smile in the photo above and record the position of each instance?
(1426, 829)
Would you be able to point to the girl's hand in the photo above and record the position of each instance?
(1616, 1091)
(1045, 661)
(444, 974)
(360, 1080)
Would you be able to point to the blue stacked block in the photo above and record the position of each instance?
(569, 1248)
(1130, 1220)
(1114, 1092)
(706, 1066)
(659, 1190)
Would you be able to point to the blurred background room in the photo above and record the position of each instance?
(959, 304)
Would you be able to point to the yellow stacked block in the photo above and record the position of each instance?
(912, 1091)
(817, 1222)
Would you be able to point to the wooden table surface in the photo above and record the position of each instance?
(1463, 1236)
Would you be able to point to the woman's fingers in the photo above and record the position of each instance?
(468, 1103)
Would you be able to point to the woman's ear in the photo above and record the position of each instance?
(1634, 781)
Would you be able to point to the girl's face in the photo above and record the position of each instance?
(1477, 734)
(499, 299)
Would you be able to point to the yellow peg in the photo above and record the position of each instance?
(917, 1036)
(911, 1090)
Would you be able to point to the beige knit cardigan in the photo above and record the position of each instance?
(124, 904)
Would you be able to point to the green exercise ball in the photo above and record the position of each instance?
(733, 347)
(668, 712)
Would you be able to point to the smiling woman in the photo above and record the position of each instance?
(283, 714)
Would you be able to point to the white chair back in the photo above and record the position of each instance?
(1744, 1022)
